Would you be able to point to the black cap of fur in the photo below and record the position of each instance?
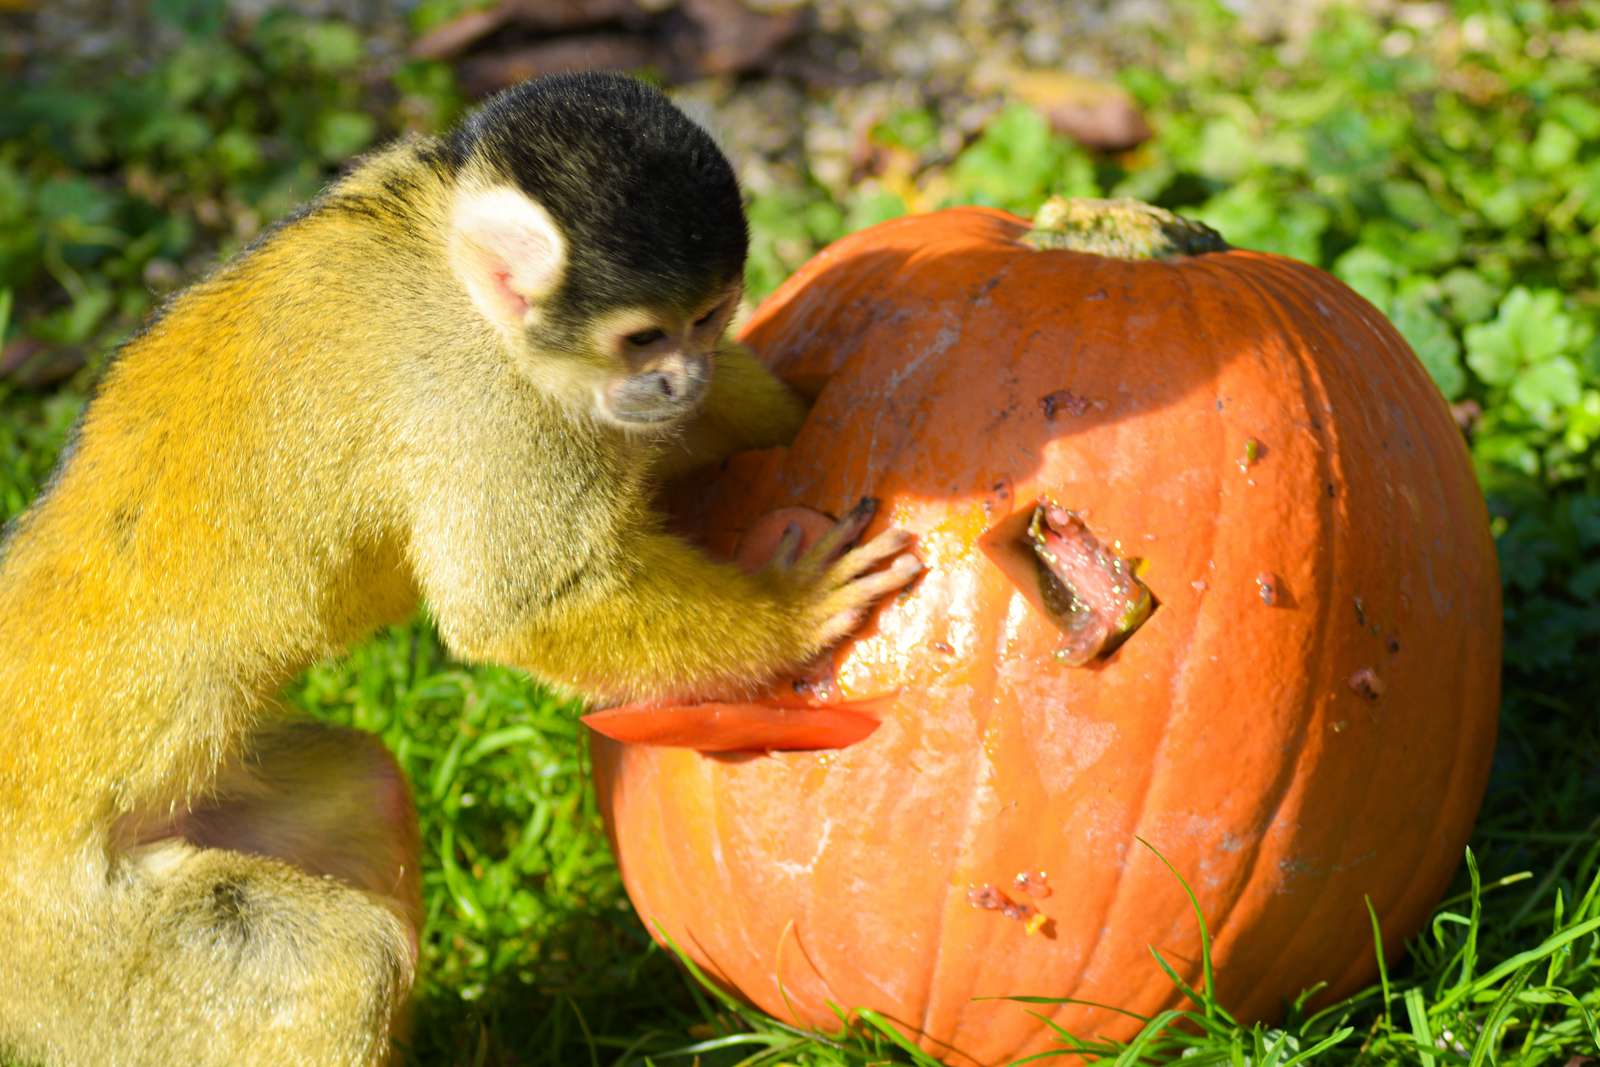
(647, 202)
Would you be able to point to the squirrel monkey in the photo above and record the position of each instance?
(455, 378)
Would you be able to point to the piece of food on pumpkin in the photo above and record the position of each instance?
(716, 727)
(1092, 592)
(758, 544)
(1085, 588)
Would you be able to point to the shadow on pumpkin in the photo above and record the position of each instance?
(951, 370)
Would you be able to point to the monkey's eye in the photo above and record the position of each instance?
(645, 338)
(708, 316)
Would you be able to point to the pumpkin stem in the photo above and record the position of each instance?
(1123, 229)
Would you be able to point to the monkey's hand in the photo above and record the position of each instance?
(834, 581)
(750, 403)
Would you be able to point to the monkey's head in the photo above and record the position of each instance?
(600, 231)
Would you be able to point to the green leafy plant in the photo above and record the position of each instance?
(113, 183)
(1449, 170)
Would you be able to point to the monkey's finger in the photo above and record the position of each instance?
(838, 540)
(859, 561)
(763, 546)
(844, 610)
(788, 547)
(895, 576)
(839, 625)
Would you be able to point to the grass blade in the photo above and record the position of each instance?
(1417, 1013)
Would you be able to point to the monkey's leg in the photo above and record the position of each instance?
(329, 800)
(273, 924)
(236, 960)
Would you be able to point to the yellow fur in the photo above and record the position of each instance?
(298, 450)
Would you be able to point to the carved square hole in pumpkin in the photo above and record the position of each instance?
(1092, 594)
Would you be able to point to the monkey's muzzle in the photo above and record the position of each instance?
(666, 390)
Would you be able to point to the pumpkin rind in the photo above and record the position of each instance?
(1234, 736)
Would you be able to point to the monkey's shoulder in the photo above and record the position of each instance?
(405, 185)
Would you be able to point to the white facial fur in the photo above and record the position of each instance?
(665, 362)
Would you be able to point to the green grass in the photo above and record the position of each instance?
(529, 937)
(1451, 173)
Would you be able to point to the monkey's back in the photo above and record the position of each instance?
(220, 521)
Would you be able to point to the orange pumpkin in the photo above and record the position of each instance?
(1304, 720)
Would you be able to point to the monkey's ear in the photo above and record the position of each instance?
(507, 253)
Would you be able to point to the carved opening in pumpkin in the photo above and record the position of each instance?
(1092, 594)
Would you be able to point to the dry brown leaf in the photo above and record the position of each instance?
(1098, 115)
(734, 38)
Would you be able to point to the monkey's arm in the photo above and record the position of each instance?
(747, 407)
(660, 619)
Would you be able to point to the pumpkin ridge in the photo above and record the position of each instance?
(1131, 845)
(1459, 771)
(1420, 890)
(1291, 772)
(936, 347)
(1202, 311)
(713, 967)
(1382, 340)
(1134, 824)
(1396, 359)
(1316, 906)
(1182, 272)
(791, 929)
(933, 983)
(718, 838)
